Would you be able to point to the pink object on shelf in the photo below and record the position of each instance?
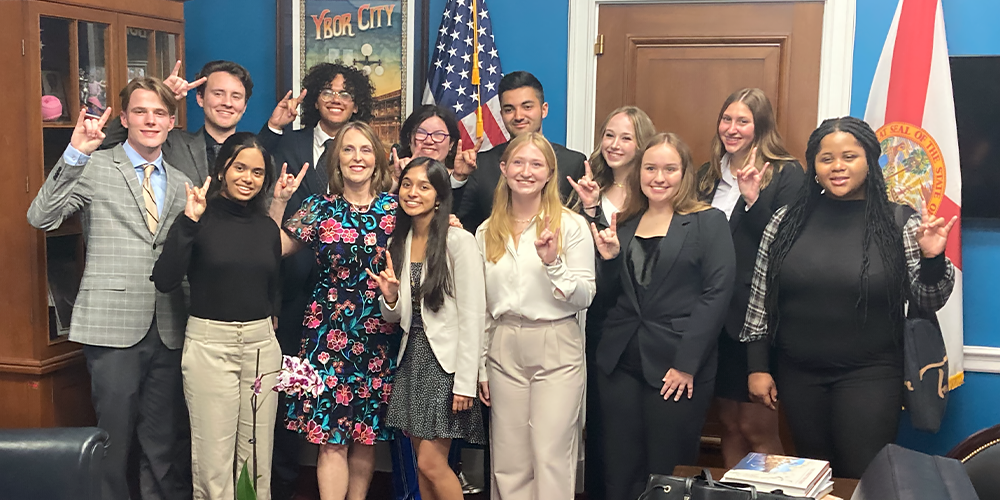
(51, 108)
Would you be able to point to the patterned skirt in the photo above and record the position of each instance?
(421, 399)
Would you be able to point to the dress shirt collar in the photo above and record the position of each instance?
(138, 161)
(319, 137)
(727, 174)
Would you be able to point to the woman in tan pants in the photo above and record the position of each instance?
(533, 362)
(229, 249)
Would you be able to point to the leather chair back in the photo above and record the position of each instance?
(52, 463)
(980, 455)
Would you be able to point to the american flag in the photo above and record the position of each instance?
(465, 38)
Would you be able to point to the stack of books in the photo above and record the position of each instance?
(798, 477)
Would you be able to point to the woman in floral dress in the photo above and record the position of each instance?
(344, 337)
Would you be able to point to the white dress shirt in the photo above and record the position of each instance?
(319, 139)
(521, 285)
(728, 192)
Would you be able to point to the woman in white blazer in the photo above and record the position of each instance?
(439, 300)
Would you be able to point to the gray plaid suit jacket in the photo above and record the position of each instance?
(117, 299)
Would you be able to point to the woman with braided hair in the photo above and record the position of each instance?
(833, 274)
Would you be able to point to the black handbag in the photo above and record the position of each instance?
(703, 487)
(925, 360)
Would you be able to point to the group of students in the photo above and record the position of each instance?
(401, 277)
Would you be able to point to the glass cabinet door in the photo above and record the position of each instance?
(57, 74)
(93, 56)
(151, 52)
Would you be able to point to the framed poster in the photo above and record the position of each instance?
(375, 37)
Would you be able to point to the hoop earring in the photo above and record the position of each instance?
(816, 178)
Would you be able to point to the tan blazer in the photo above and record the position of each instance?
(456, 330)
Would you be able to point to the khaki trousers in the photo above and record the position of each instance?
(219, 366)
(537, 377)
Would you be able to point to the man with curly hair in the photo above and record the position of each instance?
(332, 95)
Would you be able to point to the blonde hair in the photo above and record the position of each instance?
(381, 177)
(685, 200)
(643, 129)
(770, 146)
(498, 226)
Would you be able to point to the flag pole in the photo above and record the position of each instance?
(475, 69)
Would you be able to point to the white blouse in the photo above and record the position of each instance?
(728, 192)
(521, 285)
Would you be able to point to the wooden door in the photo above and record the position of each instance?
(679, 62)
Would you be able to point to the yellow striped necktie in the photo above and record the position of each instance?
(152, 214)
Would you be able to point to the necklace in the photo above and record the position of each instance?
(360, 207)
(525, 221)
(618, 184)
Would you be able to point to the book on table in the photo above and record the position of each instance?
(794, 476)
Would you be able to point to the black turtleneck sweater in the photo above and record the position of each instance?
(230, 257)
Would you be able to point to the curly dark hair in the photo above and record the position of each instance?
(355, 82)
(882, 237)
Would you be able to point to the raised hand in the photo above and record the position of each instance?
(196, 202)
(398, 164)
(465, 161)
(286, 110)
(586, 188)
(547, 244)
(287, 184)
(178, 85)
(387, 281)
(932, 234)
(89, 132)
(676, 383)
(606, 241)
(749, 178)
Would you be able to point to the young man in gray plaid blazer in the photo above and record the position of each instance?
(128, 198)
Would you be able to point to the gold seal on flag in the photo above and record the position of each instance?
(913, 166)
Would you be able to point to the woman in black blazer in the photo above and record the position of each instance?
(750, 176)
(671, 268)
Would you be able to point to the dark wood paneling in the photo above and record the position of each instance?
(162, 9)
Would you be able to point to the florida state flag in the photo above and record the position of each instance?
(912, 109)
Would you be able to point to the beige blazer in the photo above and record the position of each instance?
(456, 330)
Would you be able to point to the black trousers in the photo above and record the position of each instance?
(137, 392)
(844, 416)
(644, 434)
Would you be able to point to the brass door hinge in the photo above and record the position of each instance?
(599, 45)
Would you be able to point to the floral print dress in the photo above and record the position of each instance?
(344, 338)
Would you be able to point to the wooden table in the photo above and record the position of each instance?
(842, 488)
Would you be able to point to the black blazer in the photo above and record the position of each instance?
(680, 317)
(299, 271)
(183, 150)
(477, 201)
(747, 228)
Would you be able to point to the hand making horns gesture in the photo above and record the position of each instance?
(196, 202)
(287, 184)
(387, 281)
(178, 85)
(749, 178)
(286, 110)
(932, 234)
(465, 161)
(606, 240)
(547, 244)
(89, 131)
(586, 188)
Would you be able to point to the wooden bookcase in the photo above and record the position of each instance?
(75, 53)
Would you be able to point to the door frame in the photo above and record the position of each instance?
(835, 74)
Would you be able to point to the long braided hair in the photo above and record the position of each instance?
(880, 230)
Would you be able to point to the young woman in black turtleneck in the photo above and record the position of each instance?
(229, 249)
(833, 274)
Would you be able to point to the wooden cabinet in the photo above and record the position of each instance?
(57, 58)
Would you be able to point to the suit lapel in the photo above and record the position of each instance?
(127, 170)
(303, 145)
(199, 153)
(625, 235)
(737, 216)
(670, 247)
(174, 181)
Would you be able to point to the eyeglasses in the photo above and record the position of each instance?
(327, 95)
(438, 137)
